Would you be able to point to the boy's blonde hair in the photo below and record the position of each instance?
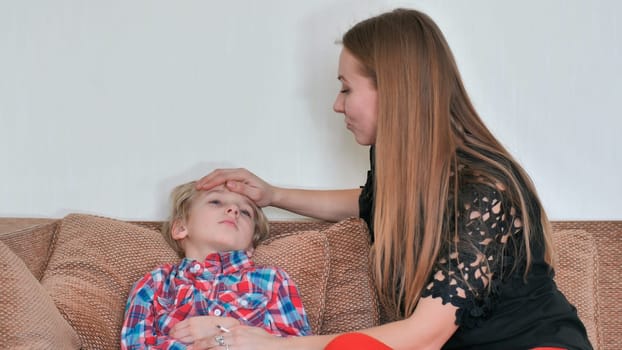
(182, 198)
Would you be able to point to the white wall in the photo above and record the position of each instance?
(106, 105)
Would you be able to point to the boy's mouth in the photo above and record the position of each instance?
(230, 223)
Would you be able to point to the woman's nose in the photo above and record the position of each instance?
(338, 105)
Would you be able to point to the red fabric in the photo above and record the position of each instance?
(356, 341)
(360, 341)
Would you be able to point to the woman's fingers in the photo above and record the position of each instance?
(241, 181)
(220, 176)
(209, 343)
(251, 190)
(182, 333)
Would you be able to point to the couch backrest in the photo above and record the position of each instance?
(588, 264)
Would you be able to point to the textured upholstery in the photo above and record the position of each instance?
(598, 290)
(93, 264)
(32, 243)
(576, 259)
(588, 269)
(28, 317)
(330, 262)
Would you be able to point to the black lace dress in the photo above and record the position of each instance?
(497, 307)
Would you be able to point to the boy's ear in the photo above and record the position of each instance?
(179, 230)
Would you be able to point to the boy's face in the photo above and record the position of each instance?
(219, 220)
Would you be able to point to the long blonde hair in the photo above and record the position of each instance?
(426, 124)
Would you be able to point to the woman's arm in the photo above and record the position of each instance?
(429, 327)
(329, 205)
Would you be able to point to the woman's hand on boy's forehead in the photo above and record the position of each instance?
(220, 177)
(240, 181)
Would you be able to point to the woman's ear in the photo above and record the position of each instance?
(179, 230)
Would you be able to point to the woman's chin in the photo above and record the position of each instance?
(363, 141)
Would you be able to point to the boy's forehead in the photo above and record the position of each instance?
(224, 190)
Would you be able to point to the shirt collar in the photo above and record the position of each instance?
(218, 263)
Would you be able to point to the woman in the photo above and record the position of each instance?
(462, 250)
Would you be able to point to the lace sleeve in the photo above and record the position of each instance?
(470, 268)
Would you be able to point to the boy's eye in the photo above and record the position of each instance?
(344, 91)
(246, 212)
(214, 201)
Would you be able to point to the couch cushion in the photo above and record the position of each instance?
(31, 242)
(28, 317)
(309, 271)
(608, 236)
(330, 265)
(94, 263)
(351, 298)
(576, 275)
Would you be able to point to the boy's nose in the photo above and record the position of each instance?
(233, 210)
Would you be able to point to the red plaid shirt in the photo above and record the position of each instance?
(225, 284)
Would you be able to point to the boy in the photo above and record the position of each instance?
(216, 283)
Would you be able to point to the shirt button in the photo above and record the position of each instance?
(195, 268)
(244, 303)
(217, 312)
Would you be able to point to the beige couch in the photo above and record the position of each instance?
(66, 280)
